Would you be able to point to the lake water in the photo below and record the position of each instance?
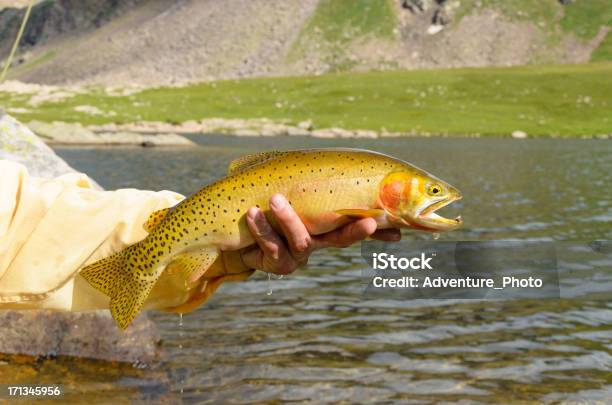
(317, 339)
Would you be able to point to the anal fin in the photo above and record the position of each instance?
(207, 290)
(193, 263)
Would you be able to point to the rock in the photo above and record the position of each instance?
(92, 110)
(415, 6)
(62, 132)
(434, 29)
(132, 138)
(323, 133)
(306, 125)
(519, 135)
(440, 17)
(46, 333)
(297, 131)
(19, 144)
(343, 133)
(76, 134)
(364, 133)
(246, 132)
(191, 127)
(270, 129)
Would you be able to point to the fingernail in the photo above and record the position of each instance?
(260, 220)
(277, 202)
(252, 212)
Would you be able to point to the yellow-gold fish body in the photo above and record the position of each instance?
(326, 187)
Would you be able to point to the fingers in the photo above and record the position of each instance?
(272, 255)
(347, 235)
(387, 235)
(298, 238)
(263, 233)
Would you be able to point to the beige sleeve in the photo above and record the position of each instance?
(49, 228)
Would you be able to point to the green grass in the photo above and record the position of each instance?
(586, 17)
(337, 23)
(343, 20)
(45, 57)
(564, 100)
(604, 51)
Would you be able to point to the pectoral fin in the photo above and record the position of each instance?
(362, 213)
(155, 218)
(192, 264)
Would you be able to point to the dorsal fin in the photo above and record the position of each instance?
(244, 162)
(155, 218)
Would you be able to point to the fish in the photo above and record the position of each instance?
(327, 188)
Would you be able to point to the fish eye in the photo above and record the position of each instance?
(434, 189)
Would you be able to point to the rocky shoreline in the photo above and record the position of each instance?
(155, 133)
(61, 133)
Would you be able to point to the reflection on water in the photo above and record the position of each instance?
(316, 339)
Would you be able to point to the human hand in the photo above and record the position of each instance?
(273, 255)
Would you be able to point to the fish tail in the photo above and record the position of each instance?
(113, 276)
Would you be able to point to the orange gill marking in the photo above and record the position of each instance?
(393, 193)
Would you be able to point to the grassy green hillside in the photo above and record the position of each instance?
(583, 18)
(541, 100)
(337, 26)
(604, 51)
(337, 23)
(342, 20)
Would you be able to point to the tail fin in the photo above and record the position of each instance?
(113, 276)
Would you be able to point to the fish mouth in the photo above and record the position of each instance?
(430, 217)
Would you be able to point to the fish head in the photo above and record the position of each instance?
(411, 198)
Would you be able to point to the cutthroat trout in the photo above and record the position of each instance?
(327, 188)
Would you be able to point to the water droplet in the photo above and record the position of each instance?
(182, 378)
(181, 331)
(269, 284)
(436, 236)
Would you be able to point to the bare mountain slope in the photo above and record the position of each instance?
(167, 42)
(155, 42)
